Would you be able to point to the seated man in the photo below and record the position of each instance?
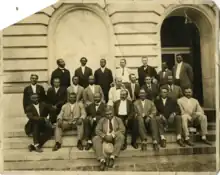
(56, 97)
(76, 88)
(114, 92)
(71, 116)
(109, 129)
(95, 111)
(146, 115)
(150, 88)
(192, 112)
(124, 109)
(88, 94)
(168, 112)
(37, 114)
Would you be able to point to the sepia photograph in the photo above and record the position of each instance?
(105, 85)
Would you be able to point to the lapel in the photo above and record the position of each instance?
(99, 108)
(35, 110)
(40, 108)
(182, 68)
(82, 71)
(30, 89)
(141, 106)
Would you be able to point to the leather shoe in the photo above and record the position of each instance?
(102, 166)
(163, 143)
(206, 142)
(156, 147)
(38, 149)
(134, 145)
(111, 163)
(124, 147)
(144, 145)
(31, 147)
(88, 146)
(180, 143)
(79, 145)
(188, 142)
(56, 147)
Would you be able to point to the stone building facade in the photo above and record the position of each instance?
(100, 29)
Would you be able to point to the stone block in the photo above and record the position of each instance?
(36, 19)
(25, 53)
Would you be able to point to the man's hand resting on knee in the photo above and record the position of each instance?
(108, 138)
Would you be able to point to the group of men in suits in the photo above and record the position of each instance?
(104, 110)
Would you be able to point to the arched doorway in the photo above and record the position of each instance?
(186, 30)
(77, 31)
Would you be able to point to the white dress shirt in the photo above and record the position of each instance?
(75, 88)
(103, 69)
(34, 88)
(143, 103)
(125, 78)
(179, 65)
(97, 106)
(122, 110)
(164, 101)
(56, 89)
(92, 87)
(37, 108)
(83, 69)
(132, 90)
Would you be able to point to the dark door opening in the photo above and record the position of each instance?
(178, 37)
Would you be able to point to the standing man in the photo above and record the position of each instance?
(33, 88)
(104, 78)
(183, 73)
(146, 115)
(133, 87)
(71, 116)
(150, 88)
(56, 97)
(110, 129)
(75, 88)
(95, 111)
(123, 72)
(62, 73)
(174, 91)
(37, 114)
(192, 112)
(145, 70)
(168, 113)
(124, 109)
(163, 74)
(114, 92)
(88, 94)
(83, 73)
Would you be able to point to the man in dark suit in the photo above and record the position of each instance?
(110, 129)
(83, 73)
(38, 124)
(168, 113)
(56, 97)
(124, 109)
(183, 73)
(145, 70)
(174, 91)
(62, 73)
(95, 111)
(76, 88)
(133, 87)
(150, 88)
(33, 88)
(163, 74)
(104, 78)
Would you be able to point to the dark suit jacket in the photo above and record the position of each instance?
(170, 107)
(83, 78)
(163, 79)
(142, 74)
(130, 108)
(151, 93)
(176, 92)
(58, 99)
(28, 92)
(64, 77)
(104, 79)
(91, 111)
(33, 115)
(136, 90)
(186, 75)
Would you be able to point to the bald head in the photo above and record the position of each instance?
(91, 80)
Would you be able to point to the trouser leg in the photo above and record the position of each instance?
(36, 132)
(141, 128)
(153, 126)
(46, 135)
(59, 131)
(97, 146)
(133, 126)
(118, 142)
(80, 131)
(185, 119)
(88, 130)
(202, 121)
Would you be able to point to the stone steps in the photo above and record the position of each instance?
(69, 141)
(154, 163)
(73, 153)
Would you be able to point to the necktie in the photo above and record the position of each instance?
(110, 126)
(123, 71)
